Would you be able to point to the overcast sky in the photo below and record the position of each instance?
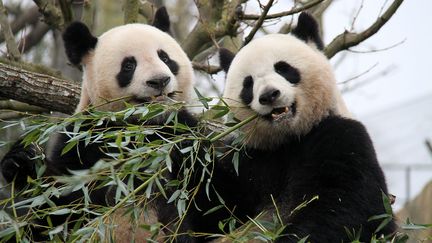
(408, 63)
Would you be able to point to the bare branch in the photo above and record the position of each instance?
(52, 15)
(131, 11)
(259, 23)
(33, 37)
(29, 16)
(283, 14)
(66, 11)
(216, 20)
(19, 106)
(7, 33)
(210, 69)
(42, 90)
(349, 39)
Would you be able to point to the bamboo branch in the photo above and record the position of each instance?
(11, 46)
(282, 14)
(37, 89)
(259, 23)
(349, 39)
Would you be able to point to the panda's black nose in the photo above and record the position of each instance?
(269, 96)
(158, 83)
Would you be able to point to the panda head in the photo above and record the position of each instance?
(138, 61)
(284, 79)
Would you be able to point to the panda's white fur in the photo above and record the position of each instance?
(316, 95)
(142, 41)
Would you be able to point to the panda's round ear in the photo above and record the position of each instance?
(161, 19)
(225, 58)
(307, 29)
(78, 42)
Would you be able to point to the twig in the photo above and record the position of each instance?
(349, 39)
(210, 69)
(7, 33)
(359, 75)
(233, 128)
(364, 82)
(259, 22)
(379, 49)
(428, 145)
(282, 14)
(356, 15)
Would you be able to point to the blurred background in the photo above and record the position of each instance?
(385, 79)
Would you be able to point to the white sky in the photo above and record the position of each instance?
(409, 62)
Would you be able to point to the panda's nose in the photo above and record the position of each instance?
(158, 83)
(269, 96)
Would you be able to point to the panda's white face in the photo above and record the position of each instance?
(288, 83)
(137, 61)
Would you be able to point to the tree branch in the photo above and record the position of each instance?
(42, 90)
(282, 14)
(33, 37)
(131, 11)
(66, 11)
(259, 23)
(349, 39)
(7, 33)
(29, 16)
(210, 69)
(217, 19)
(52, 15)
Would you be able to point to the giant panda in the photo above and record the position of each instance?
(302, 149)
(137, 61)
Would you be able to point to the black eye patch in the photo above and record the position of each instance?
(172, 65)
(290, 73)
(246, 94)
(127, 70)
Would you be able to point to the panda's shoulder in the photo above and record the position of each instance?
(337, 134)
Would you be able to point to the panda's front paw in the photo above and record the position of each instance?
(18, 164)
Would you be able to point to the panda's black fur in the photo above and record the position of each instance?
(19, 163)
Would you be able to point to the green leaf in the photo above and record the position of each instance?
(62, 211)
(174, 196)
(235, 162)
(223, 111)
(69, 146)
(213, 210)
(381, 216)
(203, 99)
(387, 204)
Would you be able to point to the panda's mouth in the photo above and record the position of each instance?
(153, 99)
(284, 112)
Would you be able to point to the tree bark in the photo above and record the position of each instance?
(42, 90)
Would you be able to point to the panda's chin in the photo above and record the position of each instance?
(283, 113)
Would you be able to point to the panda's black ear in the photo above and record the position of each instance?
(78, 42)
(161, 19)
(225, 58)
(307, 29)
